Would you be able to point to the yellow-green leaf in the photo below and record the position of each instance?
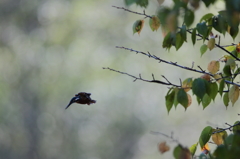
(218, 138)
(233, 94)
(187, 84)
(154, 23)
(236, 129)
(203, 49)
(211, 43)
(213, 67)
(206, 101)
(193, 148)
(230, 48)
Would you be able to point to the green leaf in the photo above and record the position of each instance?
(182, 98)
(179, 41)
(205, 135)
(179, 152)
(206, 17)
(213, 90)
(167, 42)
(231, 63)
(199, 87)
(137, 26)
(169, 99)
(227, 70)
(194, 36)
(183, 32)
(233, 32)
(193, 149)
(203, 49)
(175, 97)
(229, 140)
(208, 2)
(226, 99)
(142, 3)
(221, 152)
(199, 100)
(129, 2)
(219, 23)
(202, 29)
(207, 86)
(206, 101)
(162, 14)
(188, 17)
(236, 129)
(221, 87)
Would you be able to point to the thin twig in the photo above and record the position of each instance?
(229, 128)
(144, 14)
(141, 79)
(164, 61)
(170, 137)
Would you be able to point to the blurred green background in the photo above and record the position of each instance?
(52, 49)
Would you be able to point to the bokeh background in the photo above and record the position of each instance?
(52, 49)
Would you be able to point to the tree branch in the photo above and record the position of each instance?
(167, 62)
(188, 30)
(146, 16)
(141, 79)
(229, 128)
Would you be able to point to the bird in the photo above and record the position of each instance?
(81, 98)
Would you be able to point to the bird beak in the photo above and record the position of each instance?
(73, 100)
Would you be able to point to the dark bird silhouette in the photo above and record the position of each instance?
(81, 98)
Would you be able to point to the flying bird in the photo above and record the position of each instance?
(81, 98)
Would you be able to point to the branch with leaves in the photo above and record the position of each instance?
(215, 80)
(204, 87)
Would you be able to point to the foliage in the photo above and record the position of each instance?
(220, 77)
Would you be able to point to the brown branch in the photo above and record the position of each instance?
(170, 137)
(144, 14)
(167, 62)
(141, 79)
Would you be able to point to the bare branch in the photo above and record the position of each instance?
(144, 14)
(228, 128)
(170, 137)
(167, 62)
(141, 79)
